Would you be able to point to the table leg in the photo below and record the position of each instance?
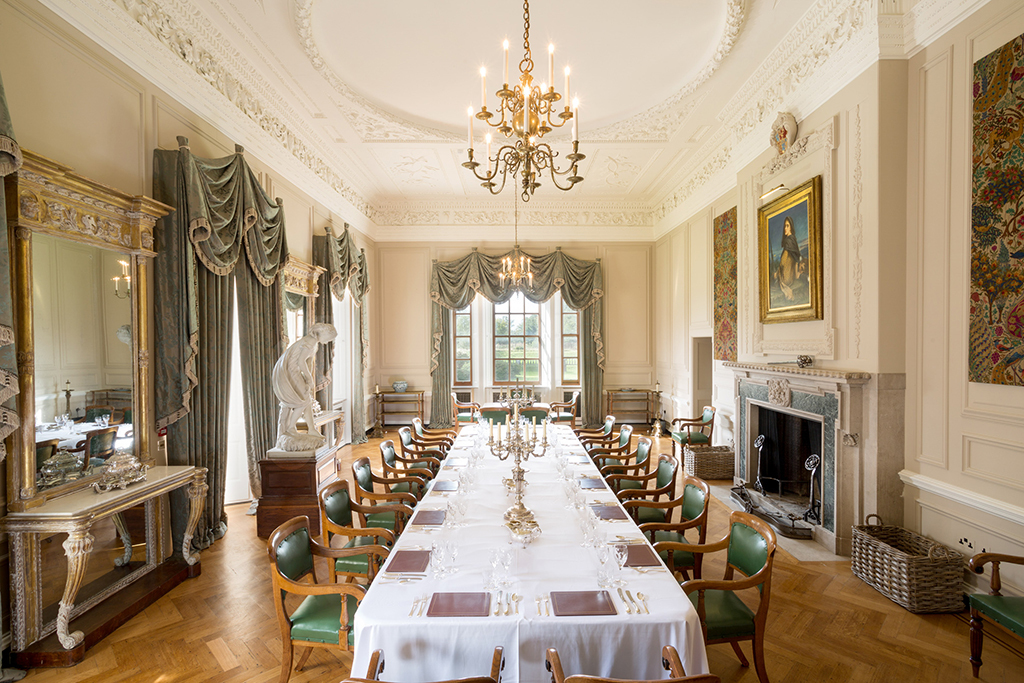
(77, 548)
(126, 539)
(197, 501)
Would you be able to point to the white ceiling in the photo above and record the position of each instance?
(381, 88)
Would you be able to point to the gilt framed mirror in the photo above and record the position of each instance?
(79, 259)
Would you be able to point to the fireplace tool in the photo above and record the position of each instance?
(813, 514)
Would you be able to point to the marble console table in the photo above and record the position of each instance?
(75, 514)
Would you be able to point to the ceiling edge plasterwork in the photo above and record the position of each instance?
(658, 123)
(929, 19)
(826, 29)
(485, 213)
(192, 51)
(370, 122)
(496, 239)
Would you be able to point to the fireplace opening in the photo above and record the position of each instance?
(789, 440)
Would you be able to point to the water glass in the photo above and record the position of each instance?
(606, 566)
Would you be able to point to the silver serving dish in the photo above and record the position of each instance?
(121, 469)
(60, 467)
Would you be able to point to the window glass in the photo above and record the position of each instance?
(517, 341)
(570, 345)
(463, 346)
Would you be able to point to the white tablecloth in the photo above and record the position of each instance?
(70, 438)
(424, 648)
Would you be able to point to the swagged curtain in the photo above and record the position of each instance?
(453, 284)
(346, 270)
(221, 212)
(10, 162)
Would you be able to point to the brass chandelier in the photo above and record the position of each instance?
(527, 113)
(517, 267)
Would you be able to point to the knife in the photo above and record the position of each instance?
(636, 605)
(497, 610)
(622, 597)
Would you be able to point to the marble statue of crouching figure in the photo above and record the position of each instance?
(294, 385)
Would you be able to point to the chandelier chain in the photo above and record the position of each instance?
(526, 65)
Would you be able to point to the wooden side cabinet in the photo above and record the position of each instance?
(633, 406)
(401, 407)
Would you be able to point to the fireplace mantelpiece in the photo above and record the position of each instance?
(855, 415)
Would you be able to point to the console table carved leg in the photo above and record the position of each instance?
(197, 501)
(126, 539)
(77, 548)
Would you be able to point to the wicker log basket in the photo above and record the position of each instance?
(709, 462)
(909, 569)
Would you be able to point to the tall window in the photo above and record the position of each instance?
(463, 346)
(570, 345)
(517, 341)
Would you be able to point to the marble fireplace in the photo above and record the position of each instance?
(861, 439)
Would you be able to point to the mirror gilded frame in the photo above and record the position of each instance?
(49, 198)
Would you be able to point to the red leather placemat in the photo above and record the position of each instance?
(428, 518)
(608, 512)
(641, 556)
(592, 483)
(409, 561)
(459, 605)
(445, 485)
(582, 603)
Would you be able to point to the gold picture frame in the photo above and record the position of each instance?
(789, 255)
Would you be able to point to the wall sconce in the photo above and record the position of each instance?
(127, 280)
(773, 191)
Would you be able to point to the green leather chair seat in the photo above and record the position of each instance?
(561, 417)
(355, 564)
(384, 520)
(630, 484)
(464, 417)
(681, 558)
(645, 515)
(318, 619)
(1008, 612)
(695, 437)
(727, 616)
(401, 487)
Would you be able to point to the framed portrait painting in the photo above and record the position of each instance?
(789, 251)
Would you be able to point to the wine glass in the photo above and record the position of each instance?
(621, 551)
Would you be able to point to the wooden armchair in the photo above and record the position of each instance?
(637, 461)
(724, 617)
(603, 431)
(391, 510)
(618, 446)
(645, 505)
(45, 451)
(402, 475)
(439, 438)
(567, 411)
(1005, 612)
(669, 659)
(376, 668)
(336, 519)
(459, 416)
(693, 514)
(495, 415)
(96, 447)
(92, 412)
(693, 431)
(415, 449)
(325, 616)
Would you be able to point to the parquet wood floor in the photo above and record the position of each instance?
(826, 626)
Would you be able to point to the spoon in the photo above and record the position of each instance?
(517, 598)
(643, 599)
(538, 605)
(508, 604)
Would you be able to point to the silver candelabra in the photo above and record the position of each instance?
(519, 445)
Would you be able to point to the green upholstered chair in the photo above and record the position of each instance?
(643, 503)
(337, 518)
(619, 445)
(414, 449)
(376, 668)
(324, 617)
(390, 510)
(442, 439)
(494, 415)
(669, 659)
(45, 451)
(92, 412)
(401, 476)
(567, 411)
(1005, 612)
(636, 462)
(693, 431)
(531, 414)
(96, 447)
(602, 432)
(459, 411)
(122, 417)
(693, 514)
(724, 617)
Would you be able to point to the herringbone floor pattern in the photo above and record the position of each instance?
(826, 626)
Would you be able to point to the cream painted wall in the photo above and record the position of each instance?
(965, 441)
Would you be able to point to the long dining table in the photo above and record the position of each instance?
(418, 647)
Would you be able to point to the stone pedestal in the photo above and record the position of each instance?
(289, 483)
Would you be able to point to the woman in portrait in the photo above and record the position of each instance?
(790, 265)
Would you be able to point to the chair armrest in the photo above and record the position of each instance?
(428, 460)
(621, 451)
(298, 588)
(376, 667)
(670, 660)
(351, 532)
(334, 553)
(632, 477)
(497, 663)
(978, 562)
(554, 665)
(751, 581)
(714, 546)
(676, 502)
(685, 420)
(399, 497)
(669, 526)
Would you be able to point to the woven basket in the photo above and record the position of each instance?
(909, 569)
(710, 462)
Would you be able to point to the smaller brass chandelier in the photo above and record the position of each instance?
(517, 267)
(127, 292)
(526, 113)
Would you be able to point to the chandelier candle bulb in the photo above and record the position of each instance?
(551, 63)
(470, 112)
(483, 86)
(505, 45)
(487, 138)
(567, 83)
(576, 119)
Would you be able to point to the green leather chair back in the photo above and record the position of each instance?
(102, 444)
(530, 413)
(92, 413)
(625, 434)
(495, 416)
(294, 557)
(609, 425)
(338, 507)
(693, 502)
(666, 473)
(417, 424)
(405, 434)
(707, 415)
(127, 419)
(748, 550)
(363, 476)
(387, 452)
(643, 451)
(45, 451)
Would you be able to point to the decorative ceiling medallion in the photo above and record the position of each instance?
(783, 132)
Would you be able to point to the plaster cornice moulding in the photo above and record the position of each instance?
(553, 214)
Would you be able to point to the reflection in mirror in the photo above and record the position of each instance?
(295, 315)
(83, 358)
(111, 559)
